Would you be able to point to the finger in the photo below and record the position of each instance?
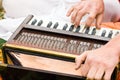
(79, 60)
(72, 8)
(73, 16)
(100, 73)
(92, 72)
(90, 18)
(80, 14)
(84, 69)
(108, 74)
(75, 12)
(70, 11)
(99, 19)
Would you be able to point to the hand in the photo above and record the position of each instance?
(98, 63)
(95, 9)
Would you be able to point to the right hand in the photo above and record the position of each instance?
(95, 9)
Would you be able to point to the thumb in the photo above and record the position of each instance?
(80, 59)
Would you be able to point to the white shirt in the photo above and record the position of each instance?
(56, 9)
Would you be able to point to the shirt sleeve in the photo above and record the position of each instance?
(112, 12)
(112, 25)
(8, 26)
(119, 19)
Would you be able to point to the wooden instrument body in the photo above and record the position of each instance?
(52, 57)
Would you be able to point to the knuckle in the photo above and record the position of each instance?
(93, 60)
(78, 19)
(73, 7)
(76, 8)
(96, 9)
(80, 12)
(91, 17)
(109, 65)
(90, 59)
(97, 78)
(90, 77)
(72, 17)
(77, 23)
(106, 78)
(97, 61)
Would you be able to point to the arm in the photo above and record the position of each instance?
(114, 44)
(100, 62)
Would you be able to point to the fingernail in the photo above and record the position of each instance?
(98, 27)
(87, 26)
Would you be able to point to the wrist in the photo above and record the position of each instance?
(115, 49)
(111, 51)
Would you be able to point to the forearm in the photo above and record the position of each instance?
(114, 44)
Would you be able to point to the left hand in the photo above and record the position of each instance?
(98, 64)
